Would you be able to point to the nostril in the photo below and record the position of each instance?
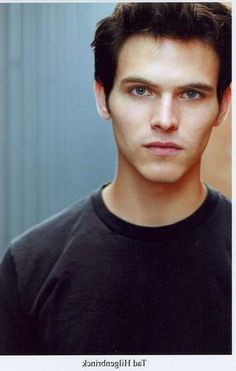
(164, 114)
(165, 126)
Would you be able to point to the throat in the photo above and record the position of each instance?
(157, 206)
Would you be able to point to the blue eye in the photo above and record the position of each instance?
(191, 94)
(140, 91)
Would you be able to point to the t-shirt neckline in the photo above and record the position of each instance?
(171, 231)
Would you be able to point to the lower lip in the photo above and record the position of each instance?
(164, 151)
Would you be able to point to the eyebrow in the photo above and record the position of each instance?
(191, 85)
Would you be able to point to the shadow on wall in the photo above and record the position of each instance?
(216, 169)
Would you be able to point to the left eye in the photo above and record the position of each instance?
(191, 94)
(140, 91)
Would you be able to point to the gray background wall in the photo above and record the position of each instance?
(53, 146)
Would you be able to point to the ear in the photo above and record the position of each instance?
(224, 106)
(101, 100)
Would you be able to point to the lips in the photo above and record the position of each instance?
(163, 148)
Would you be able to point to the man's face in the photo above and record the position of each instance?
(163, 106)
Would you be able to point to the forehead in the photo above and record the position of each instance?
(167, 59)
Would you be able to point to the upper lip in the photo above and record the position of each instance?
(163, 145)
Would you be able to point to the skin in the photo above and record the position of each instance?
(164, 91)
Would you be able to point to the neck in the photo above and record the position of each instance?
(148, 203)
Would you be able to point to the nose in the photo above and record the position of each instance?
(164, 114)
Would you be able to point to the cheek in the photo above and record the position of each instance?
(123, 130)
(128, 112)
(199, 122)
(128, 122)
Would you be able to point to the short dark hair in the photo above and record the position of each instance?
(209, 22)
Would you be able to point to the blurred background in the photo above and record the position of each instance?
(54, 148)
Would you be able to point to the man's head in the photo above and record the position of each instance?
(208, 22)
(163, 84)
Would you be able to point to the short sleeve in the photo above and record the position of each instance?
(17, 333)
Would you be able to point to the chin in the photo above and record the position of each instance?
(163, 180)
(162, 177)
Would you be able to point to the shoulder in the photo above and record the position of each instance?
(223, 204)
(220, 222)
(51, 233)
(36, 252)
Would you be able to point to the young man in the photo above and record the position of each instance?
(143, 265)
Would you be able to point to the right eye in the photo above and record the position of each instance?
(140, 91)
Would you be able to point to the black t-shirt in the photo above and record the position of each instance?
(87, 282)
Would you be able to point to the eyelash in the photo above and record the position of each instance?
(148, 93)
(132, 90)
(199, 95)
